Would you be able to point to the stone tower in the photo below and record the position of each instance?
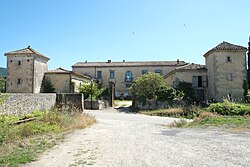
(25, 70)
(226, 70)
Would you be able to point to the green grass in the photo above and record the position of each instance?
(224, 121)
(22, 143)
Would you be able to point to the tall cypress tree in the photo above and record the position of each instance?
(248, 63)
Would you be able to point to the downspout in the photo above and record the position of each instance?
(95, 71)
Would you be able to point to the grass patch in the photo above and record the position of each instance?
(22, 143)
(187, 112)
(224, 121)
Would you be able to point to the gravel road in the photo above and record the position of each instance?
(133, 140)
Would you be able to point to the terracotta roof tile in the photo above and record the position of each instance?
(187, 67)
(26, 51)
(63, 71)
(192, 66)
(128, 64)
(225, 46)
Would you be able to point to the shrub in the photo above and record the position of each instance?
(188, 91)
(228, 108)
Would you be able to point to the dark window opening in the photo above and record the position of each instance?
(144, 72)
(128, 76)
(99, 74)
(19, 63)
(229, 59)
(28, 60)
(112, 74)
(158, 72)
(199, 81)
(11, 61)
(19, 81)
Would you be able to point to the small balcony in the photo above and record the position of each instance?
(128, 79)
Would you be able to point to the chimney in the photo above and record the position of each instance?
(123, 61)
(109, 61)
(86, 61)
(178, 61)
(28, 46)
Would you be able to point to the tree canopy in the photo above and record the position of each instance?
(151, 86)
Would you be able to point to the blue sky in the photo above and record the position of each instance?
(69, 31)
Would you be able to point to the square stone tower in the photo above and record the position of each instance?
(25, 70)
(226, 70)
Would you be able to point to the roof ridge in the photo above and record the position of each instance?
(225, 46)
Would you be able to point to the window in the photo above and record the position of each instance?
(28, 60)
(128, 76)
(199, 81)
(144, 72)
(229, 76)
(158, 72)
(19, 81)
(99, 74)
(112, 74)
(19, 63)
(229, 59)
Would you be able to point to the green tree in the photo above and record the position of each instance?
(188, 90)
(2, 85)
(146, 87)
(47, 86)
(93, 88)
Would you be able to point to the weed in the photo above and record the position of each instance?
(21, 143)
(179, 123)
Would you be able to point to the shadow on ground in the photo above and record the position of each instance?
(129, 110)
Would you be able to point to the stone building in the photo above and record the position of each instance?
(226, 71)
(123, 73)
(190, 73)
(65, 81)
(222, 76)
(25, 70)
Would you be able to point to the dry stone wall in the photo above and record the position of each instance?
(22, 103)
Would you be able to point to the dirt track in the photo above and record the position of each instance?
(126, 140)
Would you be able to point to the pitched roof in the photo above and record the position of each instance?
(192, 66)
(64, 71)
(128, 64)
(187, 67)
(3, 72)
(26, 51)
(59, 70)
(225, 46)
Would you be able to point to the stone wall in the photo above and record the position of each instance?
(70, 101)
(96, 104)
(153, 105)
(22, 103)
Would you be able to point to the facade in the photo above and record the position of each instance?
(226, 71)
(190, 73)
(65, 81)
(222, 77)
(122, 74)
(25, 70)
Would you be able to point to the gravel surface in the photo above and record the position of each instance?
(133, 140)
